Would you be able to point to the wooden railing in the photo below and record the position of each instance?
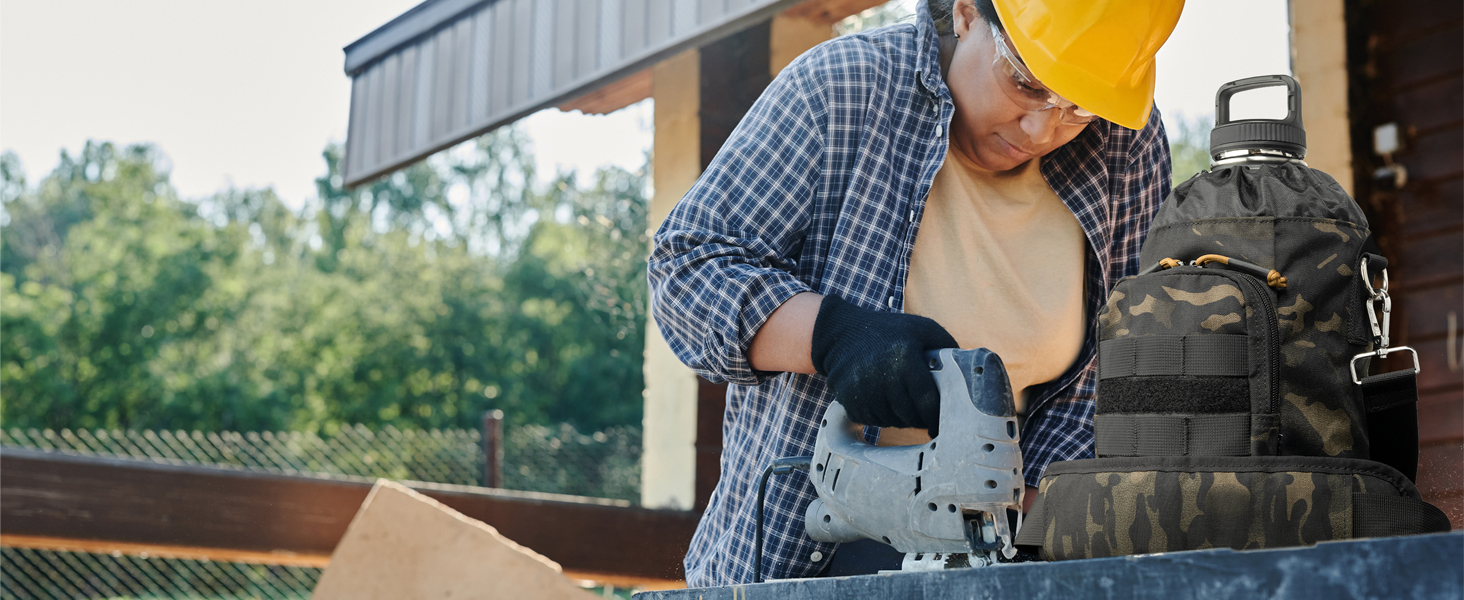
(58, 500)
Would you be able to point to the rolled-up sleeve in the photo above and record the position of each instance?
(723, 260)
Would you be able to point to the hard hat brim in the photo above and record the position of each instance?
(1123, 97)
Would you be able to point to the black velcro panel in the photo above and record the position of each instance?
(1199, 395)
(1212, 355)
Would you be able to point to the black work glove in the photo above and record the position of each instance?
(875, 363)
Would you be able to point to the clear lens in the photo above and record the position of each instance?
(1023, 88)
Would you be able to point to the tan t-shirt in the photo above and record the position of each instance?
(999, 263)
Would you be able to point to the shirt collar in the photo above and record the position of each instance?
(927, 55)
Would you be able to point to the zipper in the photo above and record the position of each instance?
(1273, 349)
(1273, 329)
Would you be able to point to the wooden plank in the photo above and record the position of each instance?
(1411, 60)
(59, 496)
(1405, 19)
(735, 71)
(1435, 156)
(1429, 207)
(1430, 106)
(1427, 262)
(1441, 417)
(1453, 507)
(1433, 358)
(1428, 310)
(615, 96)
(1441, 470)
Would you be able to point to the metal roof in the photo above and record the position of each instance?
(448, 70)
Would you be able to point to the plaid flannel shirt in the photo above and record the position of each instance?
(821, 188)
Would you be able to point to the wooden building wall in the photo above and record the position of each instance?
(1406, 66)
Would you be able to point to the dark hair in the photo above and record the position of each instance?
(940, 11)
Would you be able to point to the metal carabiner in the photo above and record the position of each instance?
(1379, 330)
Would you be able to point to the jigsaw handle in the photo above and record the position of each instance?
(924, 498)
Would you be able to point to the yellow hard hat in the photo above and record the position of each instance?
(1097, 54)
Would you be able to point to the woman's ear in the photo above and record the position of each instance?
(964, 17)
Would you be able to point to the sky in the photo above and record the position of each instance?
(248, 94)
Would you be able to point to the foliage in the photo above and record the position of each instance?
(1189, 146)
(421, 299)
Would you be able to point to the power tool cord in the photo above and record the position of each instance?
(780, 466)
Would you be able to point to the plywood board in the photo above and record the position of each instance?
(405, 545)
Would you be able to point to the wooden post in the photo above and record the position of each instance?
(493, 448)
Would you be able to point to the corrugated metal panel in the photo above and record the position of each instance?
(448, 70)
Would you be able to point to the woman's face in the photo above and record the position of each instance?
(988, 127)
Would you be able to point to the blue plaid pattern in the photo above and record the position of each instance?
(821, 188)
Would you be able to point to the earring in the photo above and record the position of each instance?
(958, 36)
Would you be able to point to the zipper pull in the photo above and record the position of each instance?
(1166, 263)
(1272, 277)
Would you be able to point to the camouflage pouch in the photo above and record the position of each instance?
(1188, 364)
(1120, 506)
(1225, 414)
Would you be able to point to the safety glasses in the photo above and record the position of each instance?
(1023, 88)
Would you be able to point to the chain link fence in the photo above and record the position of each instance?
(27, 574)
(536, 458)
(604, 464)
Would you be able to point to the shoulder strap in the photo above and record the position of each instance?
(1392, 419)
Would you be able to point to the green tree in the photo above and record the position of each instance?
(1189, 146)
(420, 299)
(108, 272)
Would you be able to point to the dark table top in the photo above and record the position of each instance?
(1424, 566)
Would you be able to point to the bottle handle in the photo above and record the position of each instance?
(1293, 97)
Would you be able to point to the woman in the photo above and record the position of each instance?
(951, 182)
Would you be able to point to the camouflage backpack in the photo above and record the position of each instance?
(1226, 413)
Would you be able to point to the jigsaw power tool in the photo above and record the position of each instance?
(945, 503)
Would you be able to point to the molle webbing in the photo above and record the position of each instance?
(1172, 435)
(1211, 355)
